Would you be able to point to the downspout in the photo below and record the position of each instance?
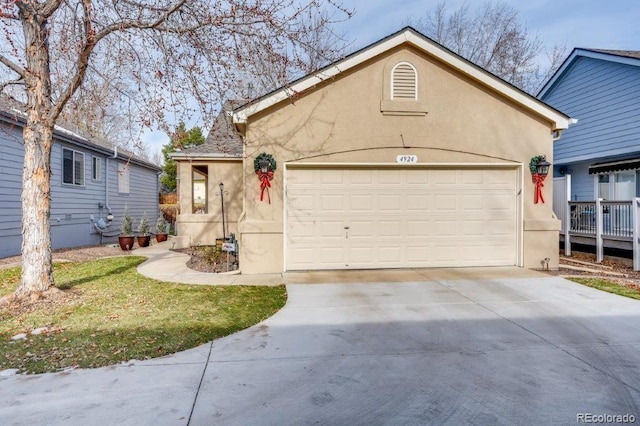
(236, 127)
(159, 212)
(106, 184)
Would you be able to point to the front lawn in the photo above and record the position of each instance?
(107, 313)
(632, 291)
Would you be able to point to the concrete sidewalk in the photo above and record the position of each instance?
(166, 265)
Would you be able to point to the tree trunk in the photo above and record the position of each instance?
(37, 272)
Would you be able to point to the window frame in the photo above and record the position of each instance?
(96, 172)
(75, 156)
(124, 178)
(204, 173)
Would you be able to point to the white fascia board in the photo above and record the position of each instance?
(560, 120)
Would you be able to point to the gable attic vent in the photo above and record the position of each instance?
(404, 82)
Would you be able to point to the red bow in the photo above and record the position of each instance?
(537, 179)
(265, 183)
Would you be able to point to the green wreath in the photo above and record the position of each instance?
(534, 162)
(265, 156)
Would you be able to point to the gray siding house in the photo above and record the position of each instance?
(88, 181)
(601, 88)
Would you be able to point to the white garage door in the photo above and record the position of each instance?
(400, 218)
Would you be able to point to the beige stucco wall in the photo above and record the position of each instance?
(341, 122)
(203, 229)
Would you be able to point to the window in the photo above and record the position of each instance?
(96, 168)
(123, 178)
(404, 82)
(618, 186)
(200, 177)
(603, 187)
(72, 167)
(625, 185)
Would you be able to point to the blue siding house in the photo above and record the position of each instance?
(601, 88)
(88, 181)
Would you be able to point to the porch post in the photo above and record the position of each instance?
(636, 233)
(567, 217)
(599, 241)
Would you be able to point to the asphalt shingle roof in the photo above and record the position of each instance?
(628, 53)
(222, 138)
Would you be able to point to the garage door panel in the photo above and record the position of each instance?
(445, 228)
(446, 177)
(387, 228)
(417, 202)
(388, 177)
(445, 202)
(390, 254)
(331, 230)
(361, 203)
(332, 203)
(400, 218)
(303, 229)
(389, 202)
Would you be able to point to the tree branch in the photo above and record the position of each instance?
(91, 40)
(16, 82)
(49, 8)
(13, 66)
(132, 24)
(82, 63)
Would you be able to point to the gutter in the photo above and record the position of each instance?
(205, 156)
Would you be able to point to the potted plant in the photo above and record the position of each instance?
(143, 231)
(126, 238)
(161, 229)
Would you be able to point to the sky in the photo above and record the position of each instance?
(608, 24)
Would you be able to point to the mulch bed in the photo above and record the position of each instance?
(208, 259)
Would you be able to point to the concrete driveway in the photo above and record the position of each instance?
(458, 346)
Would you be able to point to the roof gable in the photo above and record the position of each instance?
(627, 57)
(413, 38)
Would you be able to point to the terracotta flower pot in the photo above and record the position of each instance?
(126, 242)
(144, 240)
(161, 237)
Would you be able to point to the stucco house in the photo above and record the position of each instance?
(601, 88)
(89, 180)
(401, 155)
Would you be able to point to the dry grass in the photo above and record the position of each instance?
(107, 313)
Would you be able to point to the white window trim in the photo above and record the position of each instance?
(96, 176)
(73, 168)
(415, 73)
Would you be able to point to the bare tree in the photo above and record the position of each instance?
(493, 36)
(156, 48)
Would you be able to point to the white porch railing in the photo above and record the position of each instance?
(612, 220)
